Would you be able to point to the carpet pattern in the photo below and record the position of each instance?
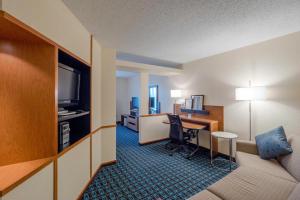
(148, 172)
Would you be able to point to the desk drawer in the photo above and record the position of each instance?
(133, 126)
(132, 119)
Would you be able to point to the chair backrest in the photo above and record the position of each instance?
(176, 130)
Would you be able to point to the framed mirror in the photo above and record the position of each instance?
(197, 102)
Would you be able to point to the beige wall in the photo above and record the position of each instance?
(144, 93)
(152, 128)
(96, 85)
(96, 151)
(108, 86)
(73, 170)
(108, 104)
(122, 98)
(274, 64)
(53, 19)
(108, 137)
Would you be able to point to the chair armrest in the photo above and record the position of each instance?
(246, 146)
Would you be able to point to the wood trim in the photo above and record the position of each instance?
(103, 127)
(91, 156)
(94, 176)
(109, 126)
(40, 164)
(91, 103)
(56, 100)
(96, 130)
(55, 179)
(153, 115)
(153, 141)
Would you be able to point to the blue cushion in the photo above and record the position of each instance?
(273, 144)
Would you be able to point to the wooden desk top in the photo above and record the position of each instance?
(188, 125)
(197, 119)
(13, 175)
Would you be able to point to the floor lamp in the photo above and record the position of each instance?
(250, 94)
(175, 94)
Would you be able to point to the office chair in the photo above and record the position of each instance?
(177, 135)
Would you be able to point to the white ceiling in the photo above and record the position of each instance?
(185, 30)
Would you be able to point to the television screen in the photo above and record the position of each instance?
(68, 85)
(135, 102)
(152, 102)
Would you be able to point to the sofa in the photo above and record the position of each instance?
(258, 179)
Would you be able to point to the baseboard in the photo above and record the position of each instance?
(153, 141)
(112, 162)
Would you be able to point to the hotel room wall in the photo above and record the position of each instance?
(123, 99)
(134, 86)
(54, 20)
(274, 64)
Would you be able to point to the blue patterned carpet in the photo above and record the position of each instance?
(148, 172)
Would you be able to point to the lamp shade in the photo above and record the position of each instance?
(251, 93)
(176, 93)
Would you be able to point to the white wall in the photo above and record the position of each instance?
(53, 19)
(123, 99)
(274, 64)
(134, 86)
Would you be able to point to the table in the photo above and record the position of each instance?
(224, 135)
(193, 127)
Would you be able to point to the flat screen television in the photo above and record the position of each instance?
(134, 103)
(68, 86)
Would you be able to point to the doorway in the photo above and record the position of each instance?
(154, 105)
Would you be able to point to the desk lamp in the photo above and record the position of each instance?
(176, 94)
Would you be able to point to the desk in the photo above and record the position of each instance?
(188, 125)
(193, 127)
(202, 123)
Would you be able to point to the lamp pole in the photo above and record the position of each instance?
(250, 115)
